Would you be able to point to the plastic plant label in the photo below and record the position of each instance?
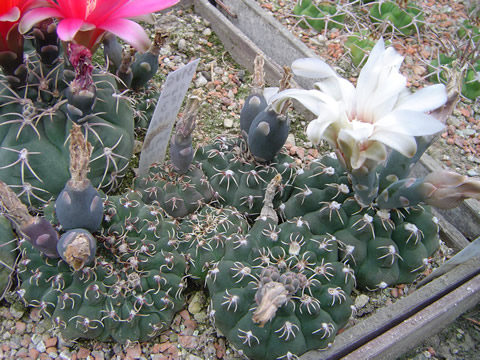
(164, 116)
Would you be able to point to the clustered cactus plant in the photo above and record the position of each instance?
(280, 245)
(38, 115)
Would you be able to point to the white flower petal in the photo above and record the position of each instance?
(426, 99)
(269, 92)
(409, 122)
(376, 151)
(313, 100)
(404, 144)
(312, 68)
(385, 96)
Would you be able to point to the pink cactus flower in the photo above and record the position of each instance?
(10, 13)
(86, 21)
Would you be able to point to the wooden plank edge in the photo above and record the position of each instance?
(389, 316)
(424, 324)
(237, 43)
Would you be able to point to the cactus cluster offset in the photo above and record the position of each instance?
(281, 291)
(203, 235)
(178, 194)
(240, 181)
(34, 131)
(384, 247)
(132, 289)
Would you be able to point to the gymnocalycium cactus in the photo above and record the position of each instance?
(129, 292)
(404, 18)
(373, 211)
(40, 97)
(319, 15)
(280, 291)
(36, 122)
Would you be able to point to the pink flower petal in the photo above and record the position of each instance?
(140, 7)
(11, 15)
(129, 31)
(34, 16)
(68, 28)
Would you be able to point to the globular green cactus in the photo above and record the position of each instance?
(131, 290)
(319, 15)
(405, 19)
(36, 119)
(440, 69)
(202, 237)
(281, 291)
(384, 246)
(8, 255)
(178, 194)
(359, 45)
(237, 179)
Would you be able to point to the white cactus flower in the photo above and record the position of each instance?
(359, 122)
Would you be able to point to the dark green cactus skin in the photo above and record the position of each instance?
(384, 247)
(145, 103)
(79, 207)
(254, 104)
(129, 293)
(318, 289)
(203, 235)
(240, 181)
(34, 130)
(315, 15)
(267, 135)
(8, 255)
(144, 68)
(179, 195)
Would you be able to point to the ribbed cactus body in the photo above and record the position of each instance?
(129, 292)
(383, 246)
(8, 254)
(178, 194)
(283, 296)
(320, 16)
(34, 130)
(405, 20)
(238, 180)
(203, 235)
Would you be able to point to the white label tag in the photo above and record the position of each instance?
(164, 116)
